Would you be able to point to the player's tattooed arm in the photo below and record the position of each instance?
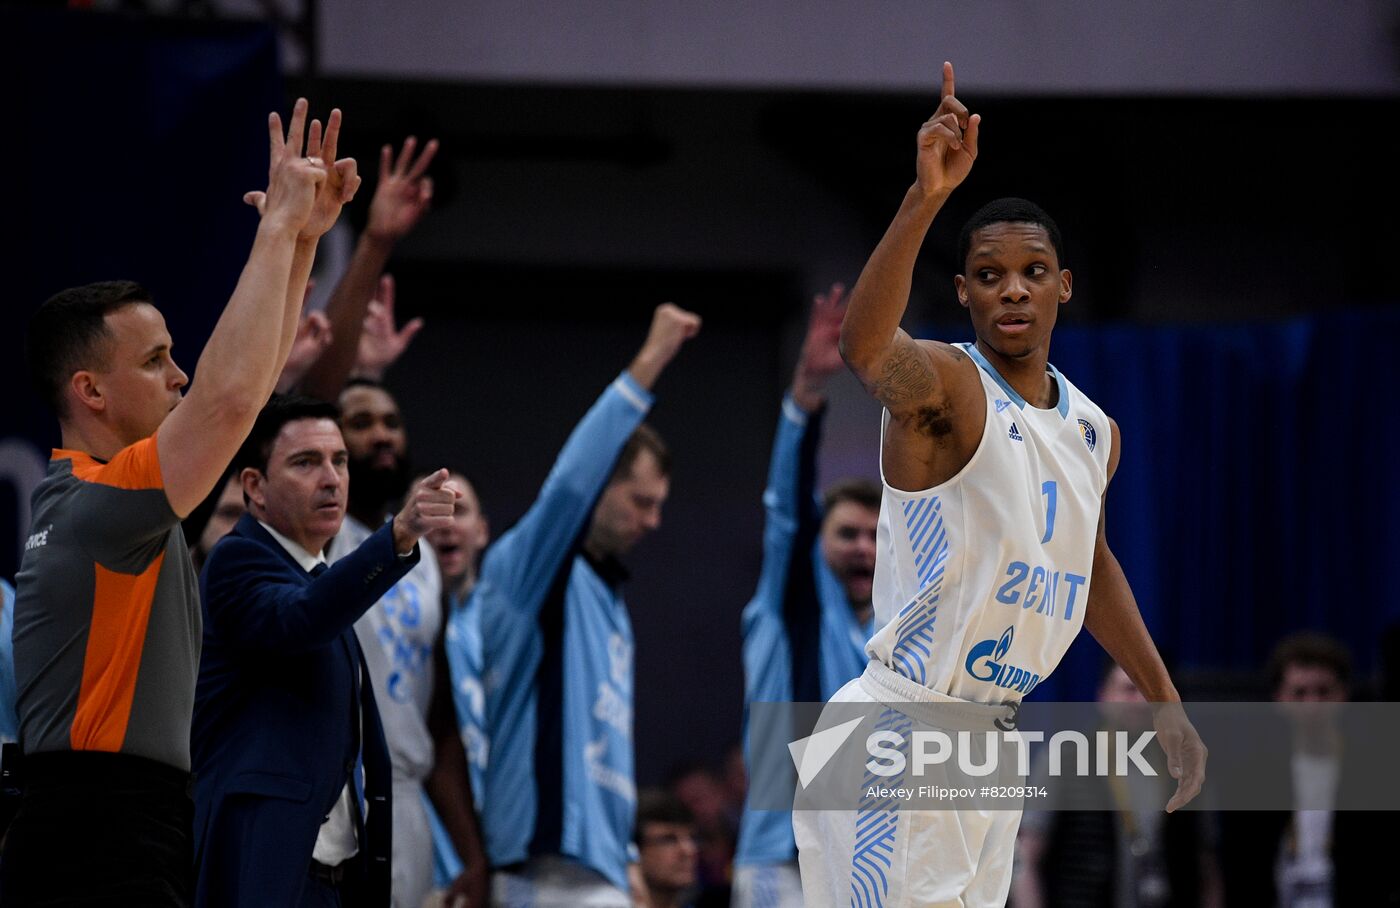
(913, 375)
(906, 376)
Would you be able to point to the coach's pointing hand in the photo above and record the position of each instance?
(671, 326)
(428, 507)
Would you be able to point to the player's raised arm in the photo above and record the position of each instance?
(900, 372)
(671, 326)
(241, 362)
(401, 198)
(820, 358)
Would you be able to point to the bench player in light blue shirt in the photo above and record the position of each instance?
(459, 547)
(806, 626)
(559, 792)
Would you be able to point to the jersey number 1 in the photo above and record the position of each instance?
(1047, 489)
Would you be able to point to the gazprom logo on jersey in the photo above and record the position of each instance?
(1086, 431)
(986, 661)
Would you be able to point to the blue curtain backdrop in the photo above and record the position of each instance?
(1255, 495)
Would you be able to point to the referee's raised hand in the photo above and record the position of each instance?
(305, 192)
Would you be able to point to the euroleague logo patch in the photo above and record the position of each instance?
(1087, 432)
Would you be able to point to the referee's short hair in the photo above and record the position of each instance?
(69, 333)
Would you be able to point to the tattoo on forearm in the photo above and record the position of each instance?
(906, 377)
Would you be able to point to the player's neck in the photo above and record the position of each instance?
(464, 586)
(1029, 375)
(665, 898)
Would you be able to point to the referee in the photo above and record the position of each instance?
(107, 621)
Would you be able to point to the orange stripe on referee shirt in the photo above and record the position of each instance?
(121, 609)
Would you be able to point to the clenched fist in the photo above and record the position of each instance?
(428, 507)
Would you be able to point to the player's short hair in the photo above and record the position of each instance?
(863, 492)
(280, 410)
(364, 381)
(656, 805)
(1309, 649)
(1009, 210)
(374, 384)
(69, 332)
(643, 438)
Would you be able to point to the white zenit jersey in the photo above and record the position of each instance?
(981, 583)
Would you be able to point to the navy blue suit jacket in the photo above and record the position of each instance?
(278, 715)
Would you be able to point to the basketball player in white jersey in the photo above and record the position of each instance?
(991, 551)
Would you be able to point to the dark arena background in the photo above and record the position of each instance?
(1224, 176)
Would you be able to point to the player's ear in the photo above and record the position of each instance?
(1066, 285)
(960, 284)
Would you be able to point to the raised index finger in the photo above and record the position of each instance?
(947, 80)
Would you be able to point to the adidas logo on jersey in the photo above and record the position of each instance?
(1014, 434)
